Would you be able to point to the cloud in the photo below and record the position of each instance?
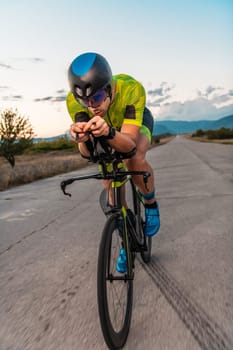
(12, 98)
(218, 100)
(31, 59)
(61, 91)
(158, 102)
(43, 99)
(159, 95)
(36, 59)
(217, 95)
(197, 109)
(156, 92)
(58, 98)
(162, 90)
(209, 91)
(211, 103)
(5, 66)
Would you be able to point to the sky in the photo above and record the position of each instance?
(181, 51)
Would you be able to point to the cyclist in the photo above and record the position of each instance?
(113, 106)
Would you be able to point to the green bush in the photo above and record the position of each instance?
(222, 133)
(198, 133)
(155, 139)
(60, 144)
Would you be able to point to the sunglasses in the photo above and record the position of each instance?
(95, 100)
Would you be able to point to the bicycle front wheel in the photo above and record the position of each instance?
(115, 290)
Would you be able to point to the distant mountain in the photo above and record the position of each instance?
(160, 129)
(183, 127)
(51, 139)
(226, 122)
(170, 127)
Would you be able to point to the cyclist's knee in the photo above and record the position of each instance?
(135, 161)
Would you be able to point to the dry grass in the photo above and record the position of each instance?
(166, 140)
(33, 167)
(29, 168)
(205, 139)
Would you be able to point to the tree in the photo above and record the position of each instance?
(199, 133)
(16, 134)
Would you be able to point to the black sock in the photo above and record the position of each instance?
(152, 205)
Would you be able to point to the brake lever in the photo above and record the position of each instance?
(80, 132)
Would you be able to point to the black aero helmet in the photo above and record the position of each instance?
(88, 73)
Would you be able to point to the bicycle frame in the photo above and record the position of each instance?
(114, 170)
(123, 229)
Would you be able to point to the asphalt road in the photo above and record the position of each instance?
(182, 300)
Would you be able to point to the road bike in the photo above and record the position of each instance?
(123, 229)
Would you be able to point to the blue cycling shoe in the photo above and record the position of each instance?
(121, 265)
(152, 223)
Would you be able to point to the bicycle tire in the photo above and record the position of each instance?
(115, 331)
(103, 200)
(146, 254)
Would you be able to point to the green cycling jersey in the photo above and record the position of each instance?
(127, 107)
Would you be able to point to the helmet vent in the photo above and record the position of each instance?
(88, 90)
(78, 91)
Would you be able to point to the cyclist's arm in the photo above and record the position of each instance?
(123, 141)
(126, 139)
(83, 150)
(80, 137)
(134, 97)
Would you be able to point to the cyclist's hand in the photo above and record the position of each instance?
(77, 132)
(97, 126)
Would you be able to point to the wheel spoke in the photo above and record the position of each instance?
(115, 291)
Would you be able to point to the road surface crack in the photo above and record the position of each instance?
(26, 236)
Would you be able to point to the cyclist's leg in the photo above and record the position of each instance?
(121, 264)
(108, 188)
(139, 162)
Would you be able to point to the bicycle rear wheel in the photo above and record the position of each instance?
(145, 254)
(115, 290)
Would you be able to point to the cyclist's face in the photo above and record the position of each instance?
(102, 108)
